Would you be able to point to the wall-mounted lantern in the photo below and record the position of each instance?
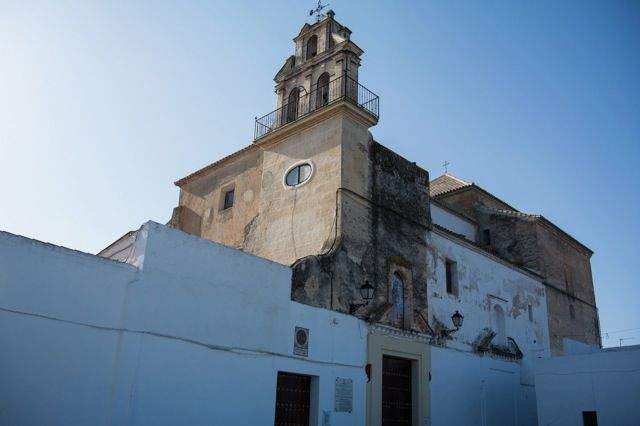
(457, 320)
(366, 292)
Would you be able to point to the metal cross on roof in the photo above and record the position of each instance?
(318, 11)
(446, 164)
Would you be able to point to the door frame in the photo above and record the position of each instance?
(407, 346)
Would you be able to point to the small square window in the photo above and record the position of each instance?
(228, 199)
(451, 276)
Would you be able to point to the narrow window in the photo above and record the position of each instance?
(499, 326)
(451, 273)
(228, 199)
(572, 312)
(530, 309)
(486, 237)
(590, 418)
(298, 174)
(397, 299)
(567, 280)
(312, 46)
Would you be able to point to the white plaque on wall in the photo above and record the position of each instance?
(344, 395)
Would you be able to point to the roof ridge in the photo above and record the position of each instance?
(457, 178)
(508, 212)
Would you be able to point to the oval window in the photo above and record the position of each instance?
(298, 174)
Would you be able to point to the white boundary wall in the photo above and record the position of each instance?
(606, 381)
(195, 335)
(467, 389)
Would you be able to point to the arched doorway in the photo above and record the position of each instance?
(322, 90)
(292, 105)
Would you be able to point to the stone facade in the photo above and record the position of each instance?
(268, 218)
(361, 217)
(383, 223)
(364, 214)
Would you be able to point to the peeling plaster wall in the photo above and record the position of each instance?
(188, 337)
(530, 242)
(565, 266)
(482, 284)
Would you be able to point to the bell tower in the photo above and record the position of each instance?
(324, 53)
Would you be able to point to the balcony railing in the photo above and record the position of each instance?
(340, 88)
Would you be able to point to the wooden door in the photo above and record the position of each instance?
(293, 398)
(396, 392)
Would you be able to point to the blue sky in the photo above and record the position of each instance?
(104, 104)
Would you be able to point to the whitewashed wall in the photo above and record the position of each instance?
(485, 382)
(196, 335)
(453, 222)
(467, 389)
(607, 381)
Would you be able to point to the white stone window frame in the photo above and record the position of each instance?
(293, 166)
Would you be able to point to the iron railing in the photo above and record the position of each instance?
(340, 88)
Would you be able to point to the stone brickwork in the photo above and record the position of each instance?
(511, 237)
(570, 295)
(382, 231)
(466, 199)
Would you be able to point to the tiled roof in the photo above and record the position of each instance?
(503, 212)
(446, 183)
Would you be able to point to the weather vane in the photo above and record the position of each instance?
(318, 11)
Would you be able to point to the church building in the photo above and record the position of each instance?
(316, 191)
(314, 277)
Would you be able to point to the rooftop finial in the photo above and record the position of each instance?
(318, 11)
(446, 165)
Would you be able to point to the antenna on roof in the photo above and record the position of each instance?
(318, 11)
(446, 164)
